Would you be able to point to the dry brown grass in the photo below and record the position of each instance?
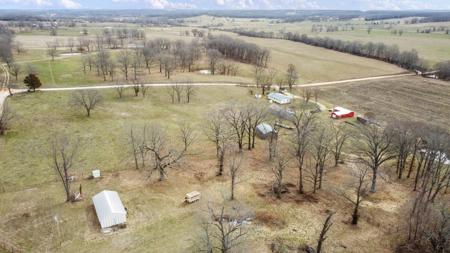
(412, 98)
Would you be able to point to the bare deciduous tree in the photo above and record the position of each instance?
(323, 233)
(376, 149)
(307, 93)
(120, 88)
(255, 115)
(340, 137)
(227, 233)
(144, 89)
(214, 57)
(163, 155)
(320, 149)
(291, 76)
(359, 189)
(70, 44)
(15, 70)
(237, 119)
(190, 92)
(235, 166)
(402, 144)
(52, 49)
(280, 165)
(124, 60)
(6, 116)
(63, 152)
(218, 131)
(87, 99)
(304, 124)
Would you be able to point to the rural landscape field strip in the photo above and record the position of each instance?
(396, 98)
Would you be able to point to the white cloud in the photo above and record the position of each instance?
(69, 4)
(165, 4)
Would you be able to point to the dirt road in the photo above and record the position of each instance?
(4, 93)
(211, 84)
(3, 89)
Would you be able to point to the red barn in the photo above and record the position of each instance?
(340, 113)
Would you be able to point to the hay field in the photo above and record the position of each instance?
(316, 64)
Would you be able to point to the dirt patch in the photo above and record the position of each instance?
(269, 219)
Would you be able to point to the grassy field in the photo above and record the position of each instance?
(313, 63)
(411, 98)
(32, 197)
(433, 47)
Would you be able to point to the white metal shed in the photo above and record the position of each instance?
(109, 208)
(279, 98)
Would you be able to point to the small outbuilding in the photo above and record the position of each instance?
(264, 130)
(340, 113)
(110, 210)
(96, 174)
(192, 197)
(279, 98)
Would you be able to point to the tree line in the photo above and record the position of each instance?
(239, 50)
(380, 51)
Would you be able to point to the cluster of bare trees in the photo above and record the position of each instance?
(133, 62)
(234, 126)
(152, 149)
(223, 230)
(429, 219)
(109, 38)
(6, 39)
(239, 50)
(181, 93)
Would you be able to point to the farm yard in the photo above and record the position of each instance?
(262, 132)
(155, 208)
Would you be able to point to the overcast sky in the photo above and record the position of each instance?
(229, 4)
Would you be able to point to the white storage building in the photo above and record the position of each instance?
(279, 98)
(110, 210)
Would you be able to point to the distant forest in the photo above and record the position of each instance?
(146, 16)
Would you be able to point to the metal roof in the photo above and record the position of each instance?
(278, 96)
(109, 208)
(264, 128)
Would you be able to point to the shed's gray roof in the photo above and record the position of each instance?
(264, 128)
